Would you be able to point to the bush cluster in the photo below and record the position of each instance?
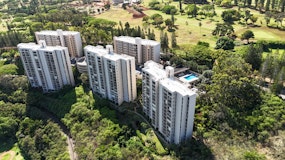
(271, 44)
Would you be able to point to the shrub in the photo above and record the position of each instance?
(8, 69)
(271, 44)
(154, 5)
(201, 43)
(169, 9)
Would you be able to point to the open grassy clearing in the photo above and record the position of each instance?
(11, 153)
(273, 51)
(186, 34)
(188, 31)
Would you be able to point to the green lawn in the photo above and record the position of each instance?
(273, 51)
(6, 157)
(15, 150)
(192, 33)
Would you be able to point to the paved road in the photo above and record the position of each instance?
(65, 131)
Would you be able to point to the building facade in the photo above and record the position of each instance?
(111, 75)
(167, 103)
(69, 39)
(81, 65)
(46, 66)
(142, 49)
(152, 73)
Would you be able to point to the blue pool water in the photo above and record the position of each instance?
(189, 77)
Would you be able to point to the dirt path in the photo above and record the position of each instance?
(12, 155)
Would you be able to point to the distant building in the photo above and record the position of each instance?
(111, 75)
(81, 65)
(69, 39)
(168, 103)
(118, 1)
(142, 49)
(47, 67)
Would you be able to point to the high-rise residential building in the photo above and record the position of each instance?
(142, 49)
(69, 39)
(169, 104)
(152, 73)
(47, 67)
(111, 75)
(81, 65)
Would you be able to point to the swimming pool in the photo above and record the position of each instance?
(189, 78)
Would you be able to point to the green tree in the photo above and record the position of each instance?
(232, 90)
(223, 29)
(169, 23)
(231, 15)
(253, 18)
(225, 43)
(8, 127)
(247, 16)
(168, 9)
(157, 19)
(173, 40)
(253, 56)
(192, 10)
(164, 41)
(8, 69)
(154, 4)
(208, 10)
(247, 35)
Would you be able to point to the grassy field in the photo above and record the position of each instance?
(192, 33)
(10, 152)
(274, 51)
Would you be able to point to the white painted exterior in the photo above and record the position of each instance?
(152, 73)
(111, 75)
(142, 49)
(177, 107)
(169, 104)
(46, 67)
(81, 65)
(69, 39)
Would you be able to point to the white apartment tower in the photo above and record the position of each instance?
(69, 39)
(152, 73)
(111, 75)
(46, 66)
(168, 103)
(142, 49)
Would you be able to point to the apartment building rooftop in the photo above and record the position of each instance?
(113, 56)
(50, 32)
(38, 46)
(175, 86)
(98, 49)
(154, 69)
(28, 45)
(132, 40)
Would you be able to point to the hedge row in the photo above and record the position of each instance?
(271, 44)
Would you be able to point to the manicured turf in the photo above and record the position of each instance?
(192, 33)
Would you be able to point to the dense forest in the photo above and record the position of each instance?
(238, 113)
